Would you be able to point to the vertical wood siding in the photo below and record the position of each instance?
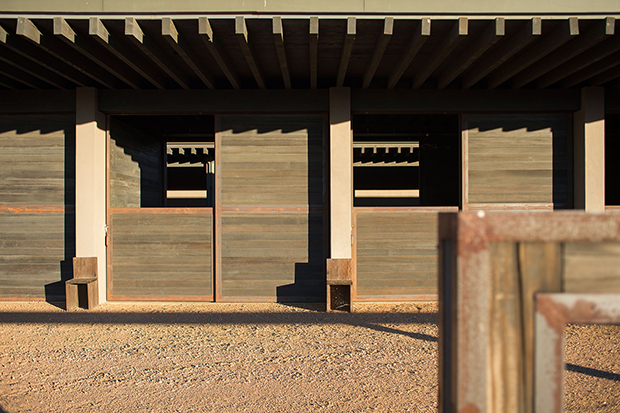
(161, 254)
(37, 197)
(396, 254)
(136, 168)
(271, 192)
(520, 159)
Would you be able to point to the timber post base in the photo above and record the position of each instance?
(339, 283)
(83, 289)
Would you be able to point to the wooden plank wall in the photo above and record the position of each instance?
(271, 195)
(37, 206)
(396, 253)
(161, 254)
(136, 168)
(518, 159)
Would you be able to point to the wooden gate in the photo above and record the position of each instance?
(270, 208)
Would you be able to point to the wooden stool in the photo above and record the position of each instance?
(339, 283)
(83, 288)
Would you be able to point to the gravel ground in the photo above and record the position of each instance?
(251, 357)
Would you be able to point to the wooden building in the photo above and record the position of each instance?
(225, 150)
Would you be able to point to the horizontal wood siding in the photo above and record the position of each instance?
(591, 267)
(272, 247)
(161, 256)
(271, 160)
(273, 256)
(521, 159)
(136, 168)
(396, 254)
(37, 197)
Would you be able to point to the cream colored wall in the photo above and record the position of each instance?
(314, 6)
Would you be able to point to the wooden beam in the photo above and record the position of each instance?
(18, 75)
(241, 31)
(347, 47)
(416, 43)
(122, 51)
(599, 32)
(511, 46)
(457, 35)
(611, 74)
(537, 51)
(591, 71)
(9, 83)
(595, 54)
(66, 54)
(27, 50)
(150, 48)
(25, 65)
(313, 38)
(183, 49)
(90, 49)
(491, 35)
(278, 38)
(206, 34)
(377, 54)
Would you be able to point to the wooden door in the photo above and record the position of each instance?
(270, 208)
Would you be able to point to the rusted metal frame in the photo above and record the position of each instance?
(347, 47)
(405, 209)
(467, 236)
(157, 210)
(377, 53)
(512, 207)
(33, 209)
(552, 313)
(217, 227)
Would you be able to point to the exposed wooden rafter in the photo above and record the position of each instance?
(206, 34)
(599, 32)
(183, 49)
(278, 38)
(98, 31)
(90, 49)
(562, 34)
(491, 35)
(151, 49)
(313, 38)
(591, 71)
(607, 76)
(377, 53)
(347, 47)
(591, 56)
(11, 72)
(450, 42)
(531, 30)
(241, 31)
(61, 51)
(417, 41)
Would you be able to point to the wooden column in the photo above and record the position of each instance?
(90, 182)
(589, 141)
(341, 171)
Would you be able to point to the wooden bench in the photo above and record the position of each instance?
(83, 289)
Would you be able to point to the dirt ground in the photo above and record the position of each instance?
(251, 357)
